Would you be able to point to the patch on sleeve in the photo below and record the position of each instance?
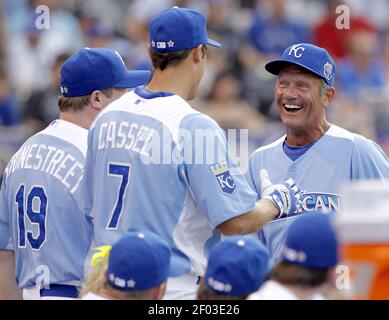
(223, 177)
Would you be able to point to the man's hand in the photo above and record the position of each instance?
(286, 196)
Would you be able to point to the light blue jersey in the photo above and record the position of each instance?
(147, 170)
(39, 216)
(338, 156)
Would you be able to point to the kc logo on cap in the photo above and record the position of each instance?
(295, 50)
(309, 57)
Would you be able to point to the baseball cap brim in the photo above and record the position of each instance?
(177, 267)
(275, 66)
(134, 78)
(213, 43)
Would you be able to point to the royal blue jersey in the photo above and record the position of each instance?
(149, 167)
(338, 156)
(39, 215)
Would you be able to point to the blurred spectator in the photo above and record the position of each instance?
(64, 34)
(361, 85)
(237, 266)
(361, 72)
(382, 110)
(138, 267)
(98, 36)
(30, 54)
(219, 24)
(217, 62)
(226, 107)
(327, 35)
(135, 29)
(307, 267)
(257, 84)
(11, 135)
(9, 106)
(109, 13)
(16, 15)
(41, 107)
(386, 62)
(375, 12)
(26, 62)
(272, 31)
(2, 32)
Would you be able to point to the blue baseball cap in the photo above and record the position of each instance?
(97, 69)
(141, 261)
(307, 56)
(237, 266)
(311, 242)
(178, 29)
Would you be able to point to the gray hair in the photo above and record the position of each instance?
(324, 87)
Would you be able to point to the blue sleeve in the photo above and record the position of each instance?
(4, 218)
(368, 160)
(217, 185)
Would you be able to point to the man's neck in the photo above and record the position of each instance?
(299, 138)
(78, 118)
(171, 80)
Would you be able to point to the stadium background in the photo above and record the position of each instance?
(236, 90)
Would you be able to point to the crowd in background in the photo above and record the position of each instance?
(236, 90)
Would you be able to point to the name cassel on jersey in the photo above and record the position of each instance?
(126, 135)
(49, 159)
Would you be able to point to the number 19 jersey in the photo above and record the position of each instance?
(39, 214)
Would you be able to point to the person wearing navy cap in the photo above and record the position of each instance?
(237, 266)
(41, 223)
(153, 150)
(318, 155)
(90, 80)
(308, 260)
(137, 269)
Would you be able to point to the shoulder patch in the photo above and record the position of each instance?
(223, 177)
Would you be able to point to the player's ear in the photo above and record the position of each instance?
(328, 96)
(197, 54)
(95, 99)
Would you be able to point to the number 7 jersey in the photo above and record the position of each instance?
(145, 170)
(39, 215)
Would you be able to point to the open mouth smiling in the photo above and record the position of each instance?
(292, 108)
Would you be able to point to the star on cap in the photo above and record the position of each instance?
(130, 283)
(170, 44)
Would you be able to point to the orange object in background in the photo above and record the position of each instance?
(369, 270)
(363, 231)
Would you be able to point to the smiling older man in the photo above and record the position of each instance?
(315, 153)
